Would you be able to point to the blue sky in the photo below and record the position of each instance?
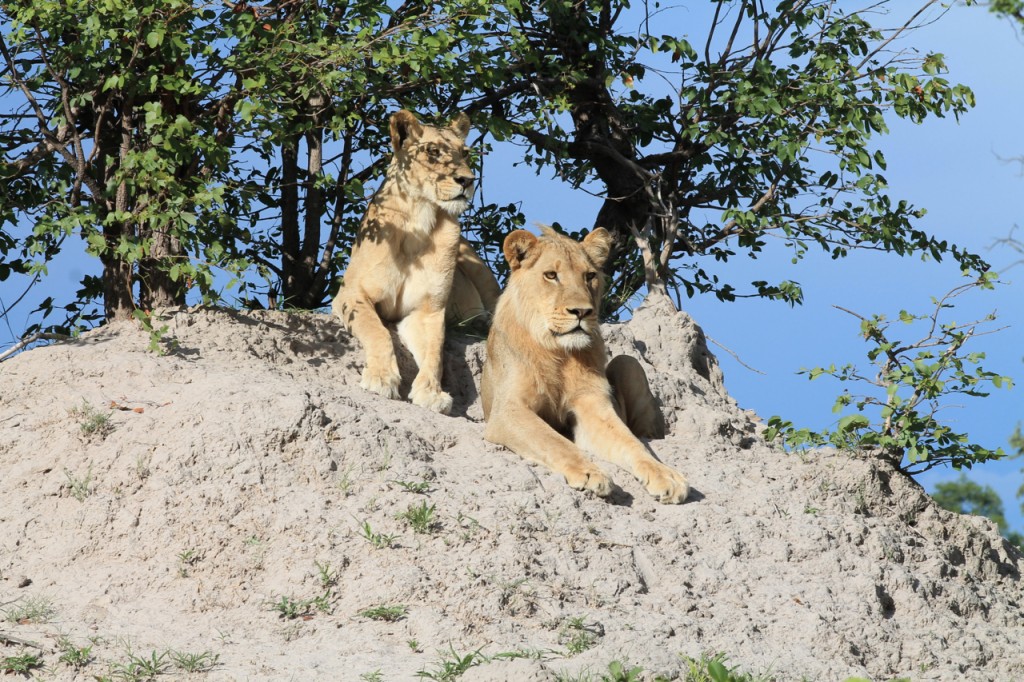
(951, 168)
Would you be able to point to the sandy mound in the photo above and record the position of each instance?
(242, 500)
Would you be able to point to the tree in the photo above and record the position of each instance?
(319, 82)
(965, 496)
(176, 138)
(764, 130)
(118, 138)
(908, 384)
(1011, 9)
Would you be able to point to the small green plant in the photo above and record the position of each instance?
(139, 669)
(156, 335)
(195, 663)
(385, 613)
(322, 603)
(618, 672)
(414, 646)
(580, 676)
(452, 665)
(31, 610)
(576, 635)
(470, 526)
(385, 462)
(21, 664)
(912, 381)
(74, 656)
(419, 488)
(345, 483)
(187, 559)
(92, 423)
(328, 578)
(257, 547)
(142, 468)
(420, 518)
(529, 654)
(713, 669)
(515, 596)
(80, 487)
(290, 608)
(378, 540)
(375, 676)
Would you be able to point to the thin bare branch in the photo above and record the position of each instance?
(41, 336)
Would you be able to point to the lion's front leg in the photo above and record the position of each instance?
(359, 315)
(520, 429)
(422, 332)
(600, 430)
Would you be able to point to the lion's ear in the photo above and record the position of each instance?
(461, 125)
(517, 247)
(598, 244)
(404, 128)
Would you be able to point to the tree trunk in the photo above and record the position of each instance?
(302, 287)
(600, 138)
(118, 303)
(290, 240)
(307, 296)
(118, 273)
(157, 289)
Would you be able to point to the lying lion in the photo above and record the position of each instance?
(545, 371)
(408, 252)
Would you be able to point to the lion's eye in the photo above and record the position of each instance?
(551, 275)
(590, 276)
(433, 153)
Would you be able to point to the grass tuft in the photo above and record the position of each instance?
(31, 610)
(389, 614)
(22, 664)
(420, 518)
(452, 665)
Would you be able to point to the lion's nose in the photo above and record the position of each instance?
(465, 181)
(580, 313)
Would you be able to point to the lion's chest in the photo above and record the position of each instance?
(422, 272)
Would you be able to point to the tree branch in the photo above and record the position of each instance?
(41, 336)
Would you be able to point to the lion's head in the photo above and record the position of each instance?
(556, 285)
(433, 163)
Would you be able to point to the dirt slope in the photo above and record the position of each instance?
(246, 467)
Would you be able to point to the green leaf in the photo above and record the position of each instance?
(853, 422)
(718, 672)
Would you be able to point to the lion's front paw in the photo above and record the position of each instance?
(664, 483)
(385, 382)
(589, 477)
(432, 399)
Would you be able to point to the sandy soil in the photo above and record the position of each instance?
(239, 496)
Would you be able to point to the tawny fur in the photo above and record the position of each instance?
(407, 253)
(545, 371)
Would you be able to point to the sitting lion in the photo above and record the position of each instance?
(545, 372)
(407, 253)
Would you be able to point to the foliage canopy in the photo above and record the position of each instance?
(173, 140)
